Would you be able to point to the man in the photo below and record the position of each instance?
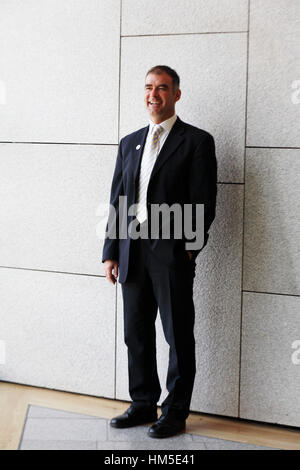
(169, 162)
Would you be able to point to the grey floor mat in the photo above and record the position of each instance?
(49, 429)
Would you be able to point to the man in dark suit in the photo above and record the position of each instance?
(167, 162)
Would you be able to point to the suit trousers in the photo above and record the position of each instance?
(152, 286)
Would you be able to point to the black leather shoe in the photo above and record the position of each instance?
(134, 417)
(166, 426)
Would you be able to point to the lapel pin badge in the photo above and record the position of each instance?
(138, 147)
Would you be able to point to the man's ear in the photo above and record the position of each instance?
(178, 93)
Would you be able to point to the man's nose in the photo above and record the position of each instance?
(153, 93)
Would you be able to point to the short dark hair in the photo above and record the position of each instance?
(164, 68)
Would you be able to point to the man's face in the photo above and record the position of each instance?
(159, 96)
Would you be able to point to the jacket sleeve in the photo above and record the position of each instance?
(203, 185)
(111, 243)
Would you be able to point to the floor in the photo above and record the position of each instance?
(39, 418)
(48, 429)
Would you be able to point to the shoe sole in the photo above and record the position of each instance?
(157, 436)
(123, 426)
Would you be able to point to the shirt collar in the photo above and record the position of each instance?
(167, 124)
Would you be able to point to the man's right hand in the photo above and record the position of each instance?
(110, 266)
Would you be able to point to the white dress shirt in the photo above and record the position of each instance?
(167, 126)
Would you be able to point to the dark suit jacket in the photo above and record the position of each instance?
(185, 172)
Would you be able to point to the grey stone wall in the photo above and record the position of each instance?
(71, 85)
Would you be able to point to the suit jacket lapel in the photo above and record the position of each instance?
(138, 147)
(173, 141)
